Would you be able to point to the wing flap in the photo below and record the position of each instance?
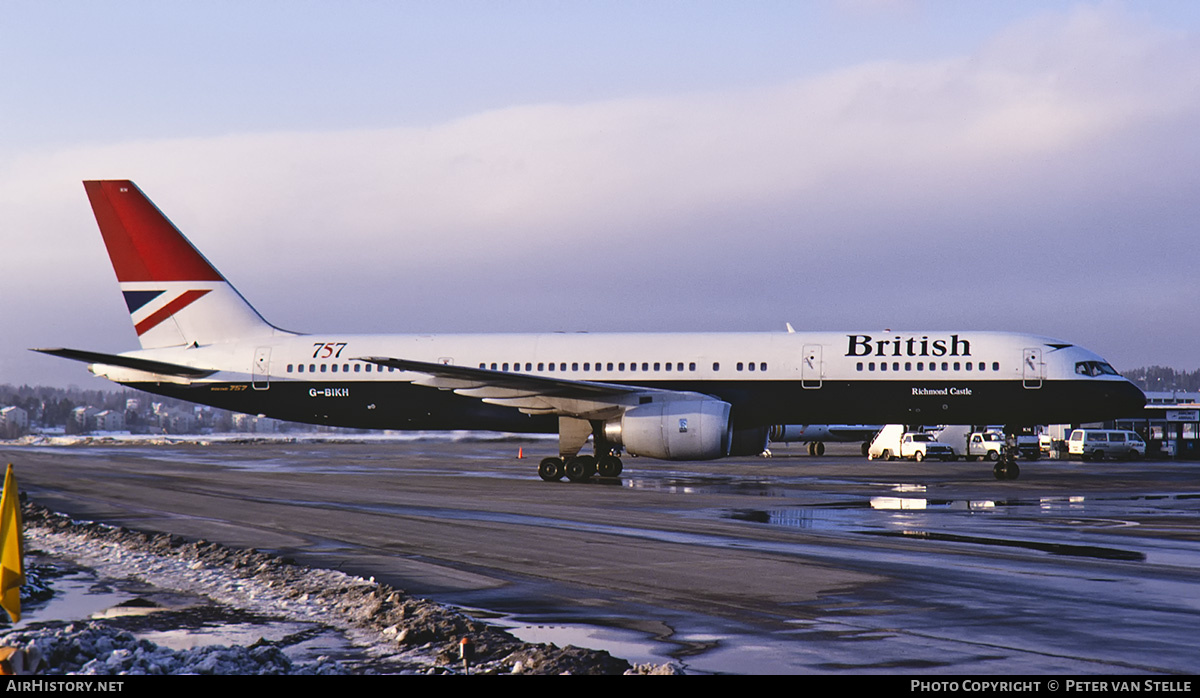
(490, 392)
(444, 383)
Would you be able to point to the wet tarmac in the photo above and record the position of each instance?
(786, 565)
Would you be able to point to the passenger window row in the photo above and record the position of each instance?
(619, 367)
(931, 366)
(587, 366)
(345, 368)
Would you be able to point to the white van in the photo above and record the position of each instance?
(1097, 444)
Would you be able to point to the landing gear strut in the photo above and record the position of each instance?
(1006, 467)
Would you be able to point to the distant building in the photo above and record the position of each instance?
(110, 420)
(1170, 424)
(1171, 397)
(14, 421)
(83, 419)
(255, 425)
(178, 422)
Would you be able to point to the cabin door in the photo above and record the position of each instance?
(810, 367)
(262, 368)
(1032, 368)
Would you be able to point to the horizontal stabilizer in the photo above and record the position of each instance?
(148, 365)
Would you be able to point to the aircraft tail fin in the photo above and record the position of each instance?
(174, 295)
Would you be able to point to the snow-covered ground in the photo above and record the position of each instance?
(267, 614)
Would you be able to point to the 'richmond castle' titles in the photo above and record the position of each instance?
(865, 345)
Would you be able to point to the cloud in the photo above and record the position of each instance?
(1000, 178)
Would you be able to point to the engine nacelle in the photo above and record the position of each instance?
(674, 430)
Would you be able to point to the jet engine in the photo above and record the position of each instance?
(674, 429)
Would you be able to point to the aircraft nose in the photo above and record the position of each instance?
(1128, 398)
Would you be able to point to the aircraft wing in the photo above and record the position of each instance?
(148, 365)
(529, 393)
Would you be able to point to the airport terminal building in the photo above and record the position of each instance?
(1169, 423)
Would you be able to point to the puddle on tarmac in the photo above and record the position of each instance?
(77, 595)
(706, 485)
(626, 644)
(665, 645)
(1032, 524)
(1052, 548)
(1076, 511)
(170, 619)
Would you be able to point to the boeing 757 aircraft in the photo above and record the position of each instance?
(671, 396)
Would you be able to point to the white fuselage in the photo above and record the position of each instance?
(893, 377)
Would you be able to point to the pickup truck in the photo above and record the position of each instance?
(984, 444)
(893, 442)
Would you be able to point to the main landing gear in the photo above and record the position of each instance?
(572, 435)
(579, 468)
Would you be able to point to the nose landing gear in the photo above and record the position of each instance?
(1006, 467)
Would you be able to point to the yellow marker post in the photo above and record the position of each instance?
(12, 548)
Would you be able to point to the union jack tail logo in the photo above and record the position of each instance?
(174, 295)
(174, 302)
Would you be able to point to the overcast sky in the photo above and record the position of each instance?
(542, 166)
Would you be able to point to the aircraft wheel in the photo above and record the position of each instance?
(609, 466)
(551, 469)
(1006, 471)
(819, 448)
(581, 468)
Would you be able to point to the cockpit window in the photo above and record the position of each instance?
(1095, 368)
